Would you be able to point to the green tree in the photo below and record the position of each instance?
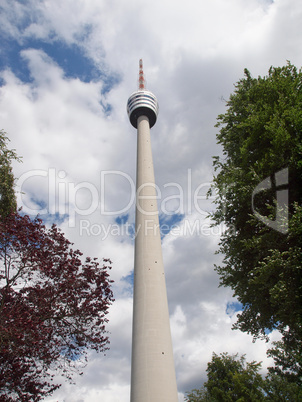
(198, 395)
(7, 194)
(278, 389)
(261, 137)
(287, 355)
(231, 378)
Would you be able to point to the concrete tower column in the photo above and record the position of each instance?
(152, 367)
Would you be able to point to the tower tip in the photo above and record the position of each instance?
(141, 77)
(142, 102)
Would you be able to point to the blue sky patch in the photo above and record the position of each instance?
(71, 59)
(56, 218)
(129, 281)
(121, 220)
(40, 204)
(233, 308)
(47, 218)
(11, 59)
(167, 222)
(129, 278)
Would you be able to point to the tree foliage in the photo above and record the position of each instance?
(231, 378)
(261, 137)
(277, 388)
(53, 304)
(53, 307)
(198, 395)
(7, 195)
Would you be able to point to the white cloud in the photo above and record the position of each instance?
(193, 54)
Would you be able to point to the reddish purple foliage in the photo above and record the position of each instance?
(53, 307)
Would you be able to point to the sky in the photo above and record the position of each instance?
(67, 69)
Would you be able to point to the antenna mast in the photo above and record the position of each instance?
(141, 77)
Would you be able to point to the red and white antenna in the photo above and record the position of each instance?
(141, 77)
(142, 102)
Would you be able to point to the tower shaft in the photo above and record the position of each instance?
(152, 368)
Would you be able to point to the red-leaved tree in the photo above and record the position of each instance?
(53, 307)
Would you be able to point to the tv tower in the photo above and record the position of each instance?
(152, 367)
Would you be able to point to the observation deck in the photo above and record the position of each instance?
(142, 103)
